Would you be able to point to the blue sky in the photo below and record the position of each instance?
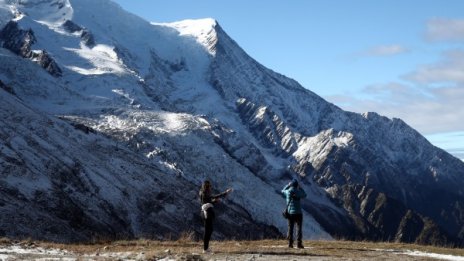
(402, 59)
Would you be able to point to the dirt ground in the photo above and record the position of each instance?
(227, 250)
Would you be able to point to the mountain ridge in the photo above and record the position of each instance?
(187, 103)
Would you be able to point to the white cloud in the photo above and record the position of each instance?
(386, 50)
(427, 110)
(449, 70)
(431, 102)
(441, 29)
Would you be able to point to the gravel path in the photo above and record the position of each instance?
(32, 251)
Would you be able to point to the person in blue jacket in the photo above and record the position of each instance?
(293, 194)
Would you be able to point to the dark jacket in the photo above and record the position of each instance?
(293, 195)
(206, 197)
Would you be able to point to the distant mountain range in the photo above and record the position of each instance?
(110, 123)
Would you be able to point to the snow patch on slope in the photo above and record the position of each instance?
(49, 12)
(158, 122)
(318, 147)
(102, 57)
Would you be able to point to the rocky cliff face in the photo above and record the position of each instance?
(114, 131)
(19, 41)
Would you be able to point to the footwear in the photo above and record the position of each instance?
(207, 251)
(300, 246)
(290, 245)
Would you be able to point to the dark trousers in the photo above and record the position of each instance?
(298, 219)
(208, 231)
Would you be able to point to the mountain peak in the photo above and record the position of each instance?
(203, 30)
(196, 24)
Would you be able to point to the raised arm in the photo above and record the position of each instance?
(284, 190)
(222, 195)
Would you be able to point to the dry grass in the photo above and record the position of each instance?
(185, 248)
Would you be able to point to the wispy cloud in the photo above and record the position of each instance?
(449, 70)
(430, 102)
(385, 50)
(453, 142)
(429, 110)
(429, 98)
(441, 29)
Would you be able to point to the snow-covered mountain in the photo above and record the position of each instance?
(110, 123)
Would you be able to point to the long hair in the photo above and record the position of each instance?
(205, 187)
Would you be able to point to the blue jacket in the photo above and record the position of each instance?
(293, 195)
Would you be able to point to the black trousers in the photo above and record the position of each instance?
(208, 231)
(298, 219)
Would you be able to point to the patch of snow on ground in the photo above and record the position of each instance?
(19, 252)
(18, 249)
(433, 255)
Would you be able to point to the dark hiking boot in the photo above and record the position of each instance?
(290, 245)
(300, 245)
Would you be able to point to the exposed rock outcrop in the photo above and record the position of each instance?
(20, 42)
